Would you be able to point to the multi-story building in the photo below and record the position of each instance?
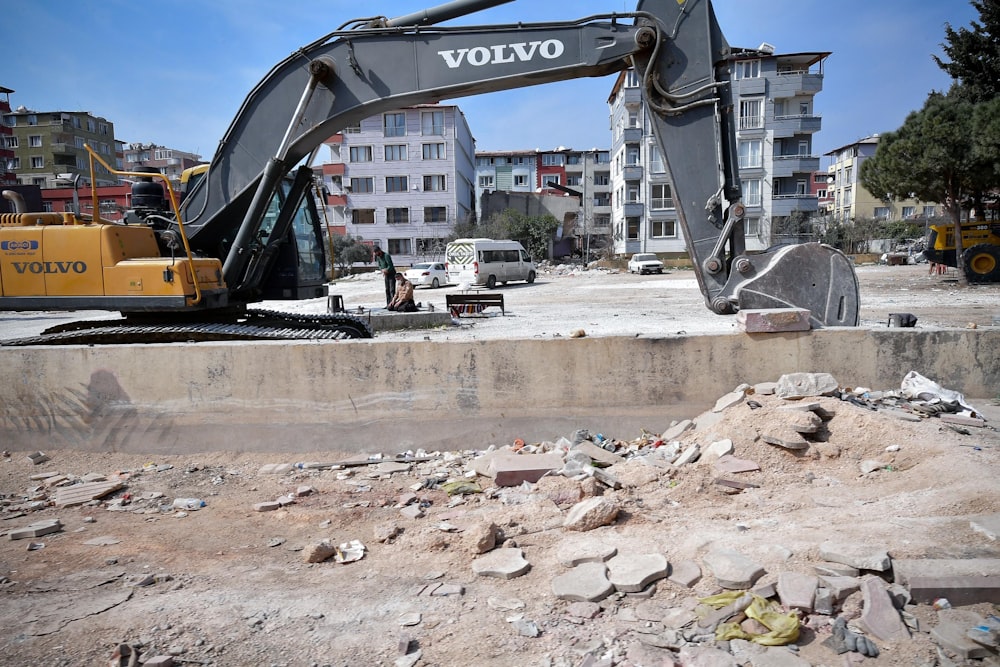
(847, 200)
(402, 180)
(585, 174)
(7, 176)
(773, 102)
(168, 161)
(49, 148)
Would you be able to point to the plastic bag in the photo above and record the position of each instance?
(782, 628)
(916, 386)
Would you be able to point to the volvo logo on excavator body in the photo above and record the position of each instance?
(498, 54)
(50, 267)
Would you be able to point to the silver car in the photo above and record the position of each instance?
(428, 274)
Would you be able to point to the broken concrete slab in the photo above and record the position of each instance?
(690, 455)
(587, 582)
(728, 401)
(501, 563)
(630, 573)
(685, 573)
(591, 513)
(598, 454)
(515, 469)
(732, 465)
(802, 422)
(804, 385)
(676, 430)
(732, 569)
(267, 506)
(717, 450)
(412, 511)
(879, 616)
(593, 552)
(78, 494)
(963, 578)
(950, 633)
(861, 556)
(274, 468)
(390, 468)
(840, 587)
(778, 656)
(773, 320)
(785, 437)
(36, 529)
(836, 570)
(797, 590)
(957, 590)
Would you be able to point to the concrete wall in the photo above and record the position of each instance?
(390, 396)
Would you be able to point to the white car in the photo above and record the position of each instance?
(429, 274)
(645, 262)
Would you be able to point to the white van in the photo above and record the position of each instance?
(487, 262)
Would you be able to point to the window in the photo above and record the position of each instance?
(399, 246)
(520, 180)
(662, 229)
(602, 200)
(353, 129)
(549, 179)
(603, 157)
(435, 214)
(750, 154)
(483, 161)
(751, 192)
(15, 163)
(602, 178)
(361, 153)
(394, 125)
(751, 227)
(574, 180)
(395, 152)
(103, 128)
(573, 159)
(434, 151)
(631, 79)
(397, 216)
(801, 187)
(33, 119)
(10, 121)
(821, 193)
(632, 193)
(37, 162)
(552, 160)
(486, 181)
(10, 142)
(435, 183)
(633, 118)
(909, 211)
(432, 123)
(803, 108)
(804, 147)
(35, 140)
(752, 113)
(632, 154)
(632, 229)
(396, 184)
(662, 197)
(363, 185)
(928, 212)
(363, 216)
(91, 126)
(656, 160)
(602, 220)
(748, 69)
(881, 213)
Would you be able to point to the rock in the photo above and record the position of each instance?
(797, 590)
(504, 604)
(690, 455)
(778, 656)
(410, 619)
(649, 656)
(526, 628)
(515, 469)
(803, 385)
(481, 537)
(586, 582)
(785, 437)
(501, 563)
(583, 609)
(318, 553)
(879, 616)
(685, 573)
(803, 422)
(386, 532)
(869, 466)
(631, 573)
(676, 430)
(591, 513)
(268, 506)
(717, 450)
(412, 512)
(592, 552)
(704, 656)
(732, 569)
(728, 401)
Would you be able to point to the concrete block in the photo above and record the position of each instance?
(514, 469)
(592, 552)
(773, 320)
(732, 569)
(861, 556)
(631, 573)
(937, 568)
(957, 590)
(879, 616)
(268, 506)
(803, 385)
(38, 457)
(685, 573)
(36, 529)
(950, 633)
(501, 563)
(598, 454)
(797, 590)
(587, 582)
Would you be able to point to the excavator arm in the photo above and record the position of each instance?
(373, 65)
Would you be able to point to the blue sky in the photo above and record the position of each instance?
(175, 73)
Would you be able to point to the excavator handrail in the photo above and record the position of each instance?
(173, 205)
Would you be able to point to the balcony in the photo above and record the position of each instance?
(788, 165)
(752, 86)
(785, 205)
(333, 169)
(632, 135)
(634, 209)
(789, 126)
(632, 173)
(62, 148)
(795, 83)
(336, 200)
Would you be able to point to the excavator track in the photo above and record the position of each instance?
(251, 325)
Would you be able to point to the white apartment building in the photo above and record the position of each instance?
(402, 180)
(773, 99)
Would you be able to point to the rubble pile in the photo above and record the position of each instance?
(586, 547)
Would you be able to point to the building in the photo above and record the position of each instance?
(847, 200)
(48, 146)
(168, 161)
(583, 174)
(402, 180)
(7, 176)
(773, 102)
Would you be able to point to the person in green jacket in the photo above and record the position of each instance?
(384, 262)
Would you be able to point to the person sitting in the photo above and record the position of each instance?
(402, 301)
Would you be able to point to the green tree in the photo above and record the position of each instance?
(974, 54)
(534, 232)
(347, 250)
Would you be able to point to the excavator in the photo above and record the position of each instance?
(248, 230)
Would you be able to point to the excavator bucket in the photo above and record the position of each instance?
(813, 276)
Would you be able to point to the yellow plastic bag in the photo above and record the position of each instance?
(782, 628)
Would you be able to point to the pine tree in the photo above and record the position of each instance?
(974, 54)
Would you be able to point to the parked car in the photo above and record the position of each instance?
(645, 262)
(428, 274)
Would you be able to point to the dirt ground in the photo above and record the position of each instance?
(227, 585)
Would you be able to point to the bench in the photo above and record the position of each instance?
(473, 304)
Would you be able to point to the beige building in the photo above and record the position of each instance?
(847, 200)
